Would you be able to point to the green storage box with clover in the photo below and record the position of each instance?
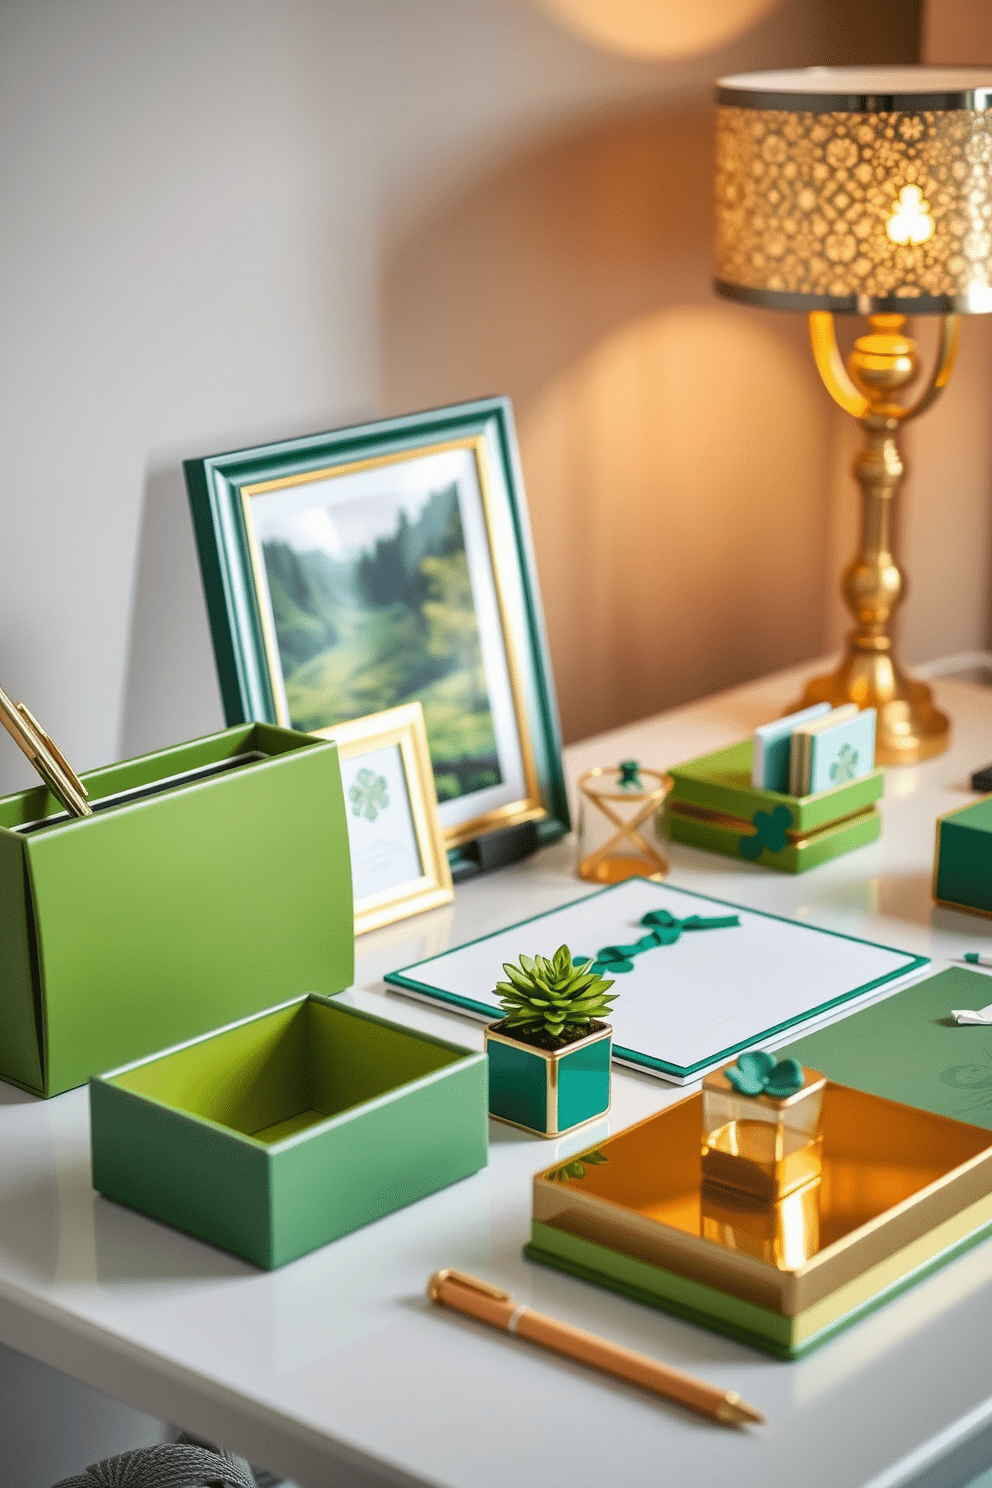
(713, 805)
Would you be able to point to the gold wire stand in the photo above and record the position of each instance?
(624, 853)
(909, 728)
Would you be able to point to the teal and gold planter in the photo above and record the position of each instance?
(548, 1091)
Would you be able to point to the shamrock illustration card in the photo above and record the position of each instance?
(843, 753)
(398, 861)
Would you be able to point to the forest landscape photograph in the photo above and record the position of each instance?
(373, 606)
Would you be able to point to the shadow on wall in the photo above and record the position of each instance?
(171, 691)
(675, 447)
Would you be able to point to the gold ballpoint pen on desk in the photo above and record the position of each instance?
(491, 1305)
(28, 734)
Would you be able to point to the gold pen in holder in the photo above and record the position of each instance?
(54, 769)
(489, 1304)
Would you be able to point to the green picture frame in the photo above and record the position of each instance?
(384, 563)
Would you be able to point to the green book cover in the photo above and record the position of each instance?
(908, 1048)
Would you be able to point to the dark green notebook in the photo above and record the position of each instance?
(908, 1048)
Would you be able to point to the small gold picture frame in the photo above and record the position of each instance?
(399, 864)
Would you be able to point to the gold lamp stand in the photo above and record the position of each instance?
(909, 728)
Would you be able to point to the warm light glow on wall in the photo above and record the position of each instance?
(659, 28)
(679, 550)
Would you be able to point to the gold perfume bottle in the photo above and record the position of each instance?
(761, 1126)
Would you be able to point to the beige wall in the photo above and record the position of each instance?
(231, 222)
(680, 454)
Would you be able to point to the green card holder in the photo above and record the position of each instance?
(714, 806)
(160, 918)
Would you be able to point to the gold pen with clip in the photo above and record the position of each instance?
(28, 734)
(491, 1305)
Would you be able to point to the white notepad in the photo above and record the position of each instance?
(684, 1008)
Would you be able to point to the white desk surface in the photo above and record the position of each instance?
(336, 1370)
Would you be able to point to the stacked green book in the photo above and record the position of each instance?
(902, 1192)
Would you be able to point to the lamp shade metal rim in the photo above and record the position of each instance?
(976, 301)
(867, 90)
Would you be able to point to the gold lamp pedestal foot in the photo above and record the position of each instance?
(910, 728)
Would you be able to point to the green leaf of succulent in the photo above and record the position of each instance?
(576, 1168)
(553, 994)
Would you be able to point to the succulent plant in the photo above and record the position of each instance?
(553, 997)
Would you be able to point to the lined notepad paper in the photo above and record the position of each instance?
(688, 1007)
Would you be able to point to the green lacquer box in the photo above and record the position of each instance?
(174, 911)
(962, 864)
(548, 1091)
(283, 1131)
(713, 805)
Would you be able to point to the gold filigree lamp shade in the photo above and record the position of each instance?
(863, 191)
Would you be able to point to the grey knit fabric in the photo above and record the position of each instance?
(173, 1465)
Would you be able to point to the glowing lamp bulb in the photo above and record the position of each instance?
(910, 221)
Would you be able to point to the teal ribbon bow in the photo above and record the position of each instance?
(769, 831)
(756, 1073)
(629, 775)
(665, 930)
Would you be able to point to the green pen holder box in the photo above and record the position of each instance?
(164, 916)
(288, 1129)
(713, 805)
(962, 863)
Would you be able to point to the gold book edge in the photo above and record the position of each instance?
(893, 1269)
(746, 827)
(847, 1298)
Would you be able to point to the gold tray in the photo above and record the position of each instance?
(891, 1176)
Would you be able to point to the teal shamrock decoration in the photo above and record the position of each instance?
(756, 1073)
(368, 795)
(844, 765)
(769, 831)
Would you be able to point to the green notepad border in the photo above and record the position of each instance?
(707, 1306)
(633, 1056)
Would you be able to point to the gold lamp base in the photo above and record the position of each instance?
(909, 727)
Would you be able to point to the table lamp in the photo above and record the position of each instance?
(863, 191)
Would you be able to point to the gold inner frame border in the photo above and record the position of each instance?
(513, 813)
(402, 727)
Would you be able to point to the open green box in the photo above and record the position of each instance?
(159, 918)
(288, 1129)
